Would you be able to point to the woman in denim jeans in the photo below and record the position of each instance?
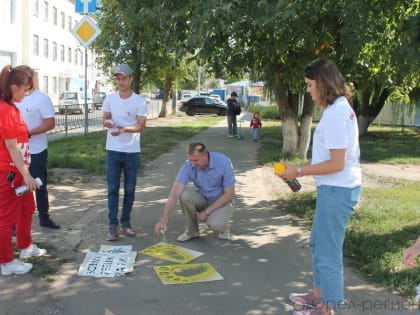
(336, 170)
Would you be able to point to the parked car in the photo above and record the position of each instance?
(147, 97)
(184, 97)
(216, 96)
(98, 99)
(73, 103)
(203, 105)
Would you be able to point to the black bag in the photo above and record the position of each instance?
(236, 107)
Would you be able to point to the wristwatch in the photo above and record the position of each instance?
(299, 171)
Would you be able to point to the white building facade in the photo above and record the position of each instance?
(37, 33)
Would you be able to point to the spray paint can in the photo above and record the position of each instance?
(293, 184)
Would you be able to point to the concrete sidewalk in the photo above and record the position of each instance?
(266, 259)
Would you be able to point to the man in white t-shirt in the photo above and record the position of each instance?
(38, 112)
(124, 114)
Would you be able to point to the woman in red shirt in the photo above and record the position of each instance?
(14, 172)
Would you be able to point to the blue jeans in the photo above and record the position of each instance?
(255, 132)
(129, 164)
(38, 168)
(334, 206)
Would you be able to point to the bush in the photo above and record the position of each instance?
(266, 112)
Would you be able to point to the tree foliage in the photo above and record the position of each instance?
(374, 43)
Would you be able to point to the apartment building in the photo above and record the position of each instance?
(38, 33)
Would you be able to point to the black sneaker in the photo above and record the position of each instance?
(49, 224)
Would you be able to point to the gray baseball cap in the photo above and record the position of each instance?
(123, 69)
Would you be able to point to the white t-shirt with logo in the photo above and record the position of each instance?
(338, 129)
(124, 113)
(34, 108)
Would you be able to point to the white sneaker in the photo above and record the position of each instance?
(225, 235)
(15, 267)
(32, 251)
(185, 237)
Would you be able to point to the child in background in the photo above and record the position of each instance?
(255, 125)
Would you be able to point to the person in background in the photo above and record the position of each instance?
(38, 113)
(411, 253)
(211, 202)
(336, 169)
(255, 124)
(124, 113)
(232, 102)
(14, 171)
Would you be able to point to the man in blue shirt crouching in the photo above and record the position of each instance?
(211, 202)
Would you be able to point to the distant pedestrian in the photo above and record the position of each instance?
(124, 113)
(211, 202)
(38, 112)
(336, 169)
(233, 109)
(255, 124)
(14, 171)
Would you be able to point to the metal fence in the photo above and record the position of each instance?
(66, 122)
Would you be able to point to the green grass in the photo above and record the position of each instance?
(390, 145)
(87, 153)
(387, 219)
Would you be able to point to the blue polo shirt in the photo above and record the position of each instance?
(212, 181)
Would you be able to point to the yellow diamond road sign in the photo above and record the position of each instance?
(86, 31)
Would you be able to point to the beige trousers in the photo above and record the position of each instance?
(193, 202)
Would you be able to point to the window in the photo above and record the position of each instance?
(81, 58)
(45, 81)
(46, 7)
(35, 8)
(69, 23)
(54, 85)
(6, 58)
(8, 11)
(69, 55)
(76, 56)
(62, 53)
(55, 17)
(46, 48)
(54, 57)
(36, 45)
(62, 20)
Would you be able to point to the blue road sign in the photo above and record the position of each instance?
(85, 6)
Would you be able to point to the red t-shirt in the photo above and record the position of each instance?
(12, 126)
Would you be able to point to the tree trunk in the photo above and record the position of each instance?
(285, 101)
(166, 91)
(369, 107)
(305, 126)
(364, 122)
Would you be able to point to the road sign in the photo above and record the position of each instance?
(86, 31)
(85, 6)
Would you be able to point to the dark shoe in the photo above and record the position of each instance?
(112, 234)
(49, 224)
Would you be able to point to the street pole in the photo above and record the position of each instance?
(86, 106)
